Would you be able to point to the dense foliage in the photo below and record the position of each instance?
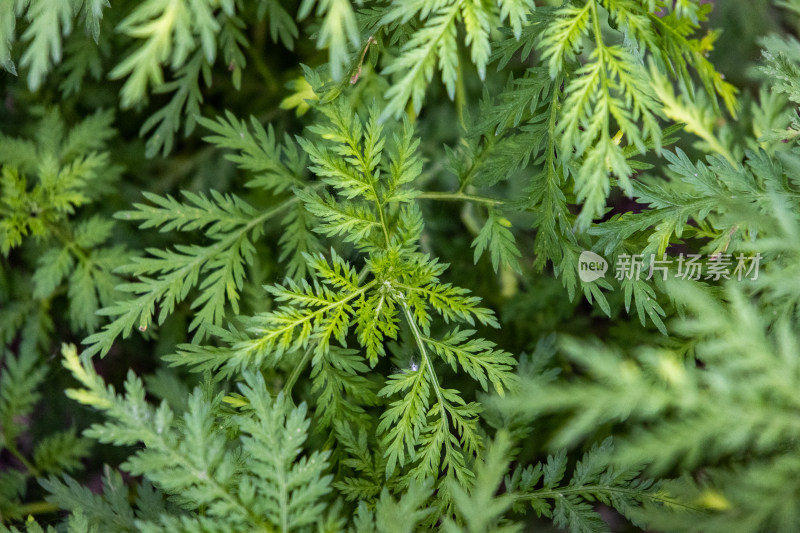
(399, 265)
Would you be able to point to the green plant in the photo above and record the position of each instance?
(356, 309)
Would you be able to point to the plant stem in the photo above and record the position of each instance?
(460, 197)
(12, 448)
(425, 359)
(272, 84)
(35, 508)
(477, 162)
(560, 492)
(461, 93)
(296, 371)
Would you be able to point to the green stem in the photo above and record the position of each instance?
(426, 361)
(476, 164)
(637, 494)
(598, 37)
(383, 222)
(460, 197)
(296, 371)
(713, 143)
(34, 508)
(469, 219)
(551, 127)
(69, 243)
(12, 448)
(461, 93)
(266, 74)
(365, 169)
